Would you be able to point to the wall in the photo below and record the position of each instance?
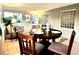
(0, 19)
(0, 13)
(55, 19)
(0, 31)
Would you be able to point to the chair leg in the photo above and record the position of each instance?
(53, 40)
(51, 53)
(11, 37)
(21, 53)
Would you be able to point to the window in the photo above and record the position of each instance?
(67, 19)
(20, 17)
(17, 16)
(8, 14)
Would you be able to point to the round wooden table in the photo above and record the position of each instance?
(51, 34)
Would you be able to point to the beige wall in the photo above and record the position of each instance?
(54, 19)
(0, 13)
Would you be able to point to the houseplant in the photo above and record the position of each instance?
(7, 20)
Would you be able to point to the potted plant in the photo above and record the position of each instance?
(7, 20)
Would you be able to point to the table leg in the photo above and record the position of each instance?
(35, 39)
(53, 40)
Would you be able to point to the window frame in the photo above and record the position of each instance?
(72, 13)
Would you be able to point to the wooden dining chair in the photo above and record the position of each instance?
(61, 49)
(28, 45)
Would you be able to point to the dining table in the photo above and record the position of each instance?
(45, 35)
(48, 34)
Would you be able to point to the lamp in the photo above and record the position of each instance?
(13, 20)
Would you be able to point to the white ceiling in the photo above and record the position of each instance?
(35, 6)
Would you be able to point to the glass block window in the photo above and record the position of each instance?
(67, 19)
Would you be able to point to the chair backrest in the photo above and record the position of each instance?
(26, 43)
(71, 42)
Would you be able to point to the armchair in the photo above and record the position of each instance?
(10, 33)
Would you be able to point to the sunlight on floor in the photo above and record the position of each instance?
(11, 48)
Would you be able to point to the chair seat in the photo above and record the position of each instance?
(58, 47)
(39, 47)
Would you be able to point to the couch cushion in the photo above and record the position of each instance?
(10, 29)
(8, 36)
